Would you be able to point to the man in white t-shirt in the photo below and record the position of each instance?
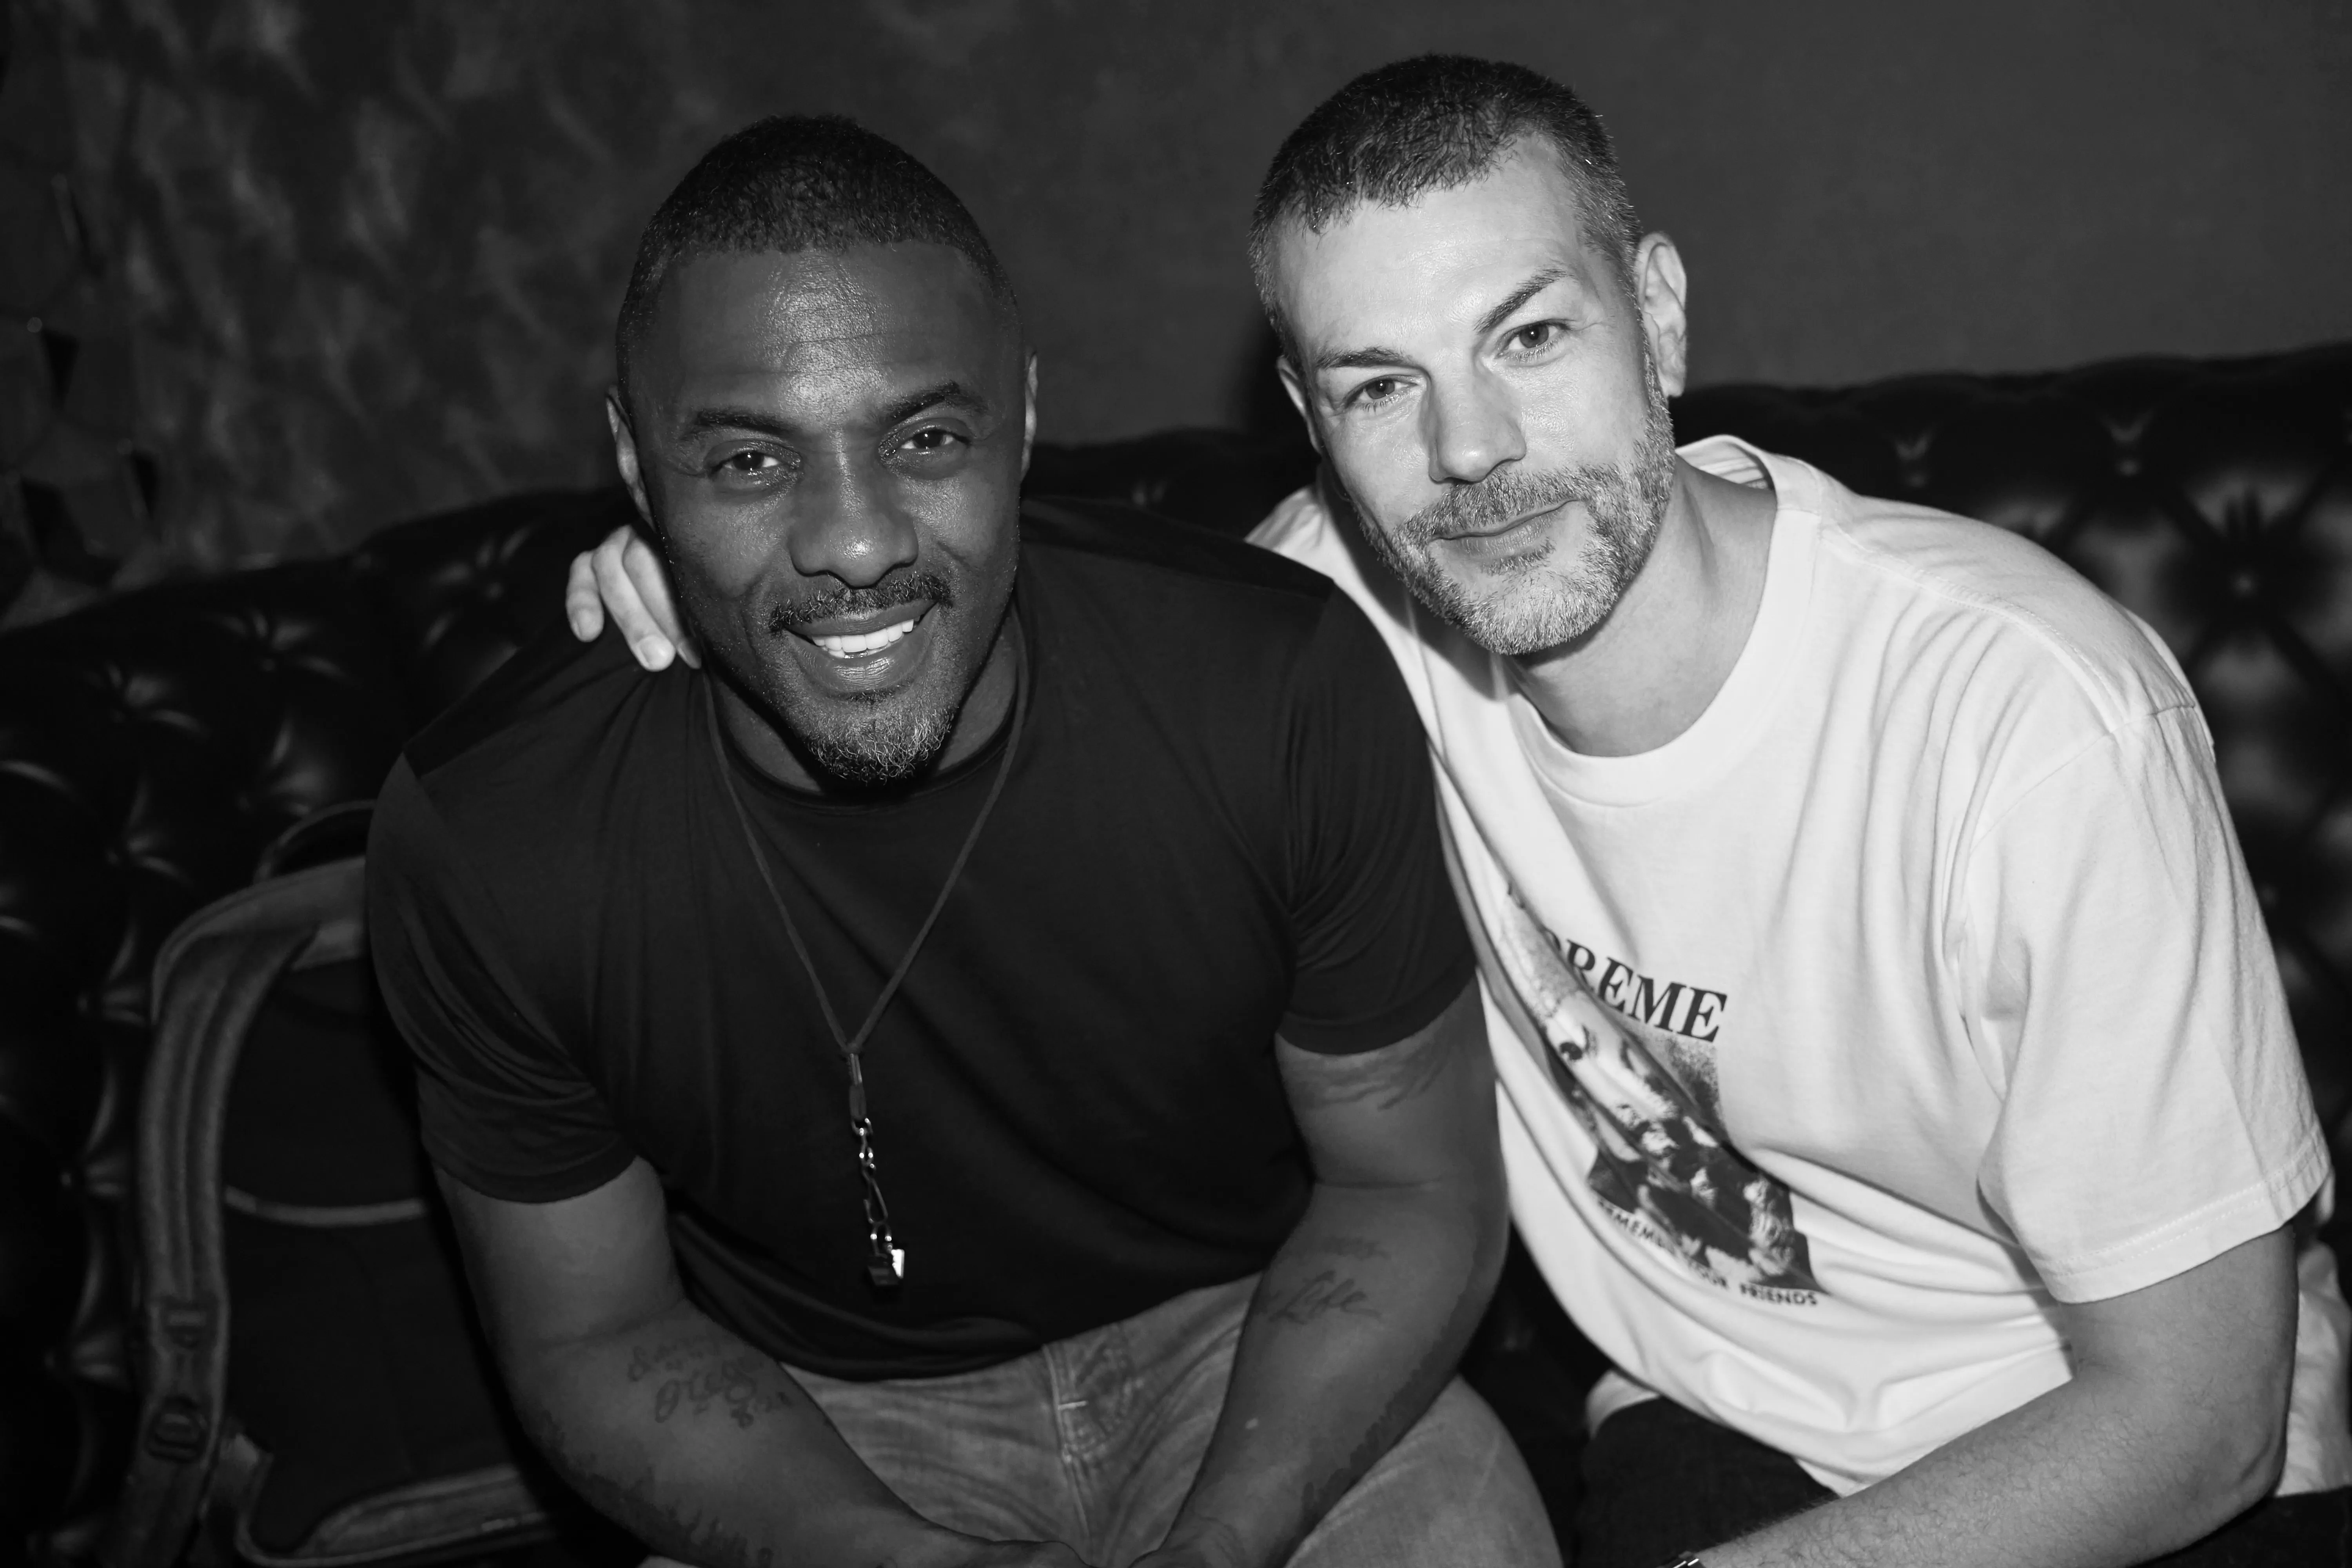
(1895, 1079)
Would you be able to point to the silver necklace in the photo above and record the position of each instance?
(885, 1260)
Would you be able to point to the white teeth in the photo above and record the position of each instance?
(856, 643)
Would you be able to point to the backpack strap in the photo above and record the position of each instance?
(211, 980)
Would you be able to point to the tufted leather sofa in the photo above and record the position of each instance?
(152, 747)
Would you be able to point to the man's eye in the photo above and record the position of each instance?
(930, 440)
(1535, 335)
(748, 463)
(1379, 389)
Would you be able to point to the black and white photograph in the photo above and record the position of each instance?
(1119, 784)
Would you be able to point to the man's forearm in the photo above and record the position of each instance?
(2093, 1474)
(2173, 1423)
(707, 1450)
(1355, 1327)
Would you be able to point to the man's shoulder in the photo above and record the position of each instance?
(1991, 601)
(1301, 530)
(1204, 620)
(538, 733)
(1241, 640)
(1109, 537)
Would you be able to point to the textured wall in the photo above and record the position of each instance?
(368, 253)
(76, 493)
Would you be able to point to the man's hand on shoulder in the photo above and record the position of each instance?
(624, 578)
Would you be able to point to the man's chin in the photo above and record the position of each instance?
(865, 743)
(860, 743)
(876, 760)
(1515, 623)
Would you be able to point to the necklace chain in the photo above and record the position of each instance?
(885, 1261)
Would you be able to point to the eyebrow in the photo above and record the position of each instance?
(913, 402)
(1379, 358)
(1361, 359)
(702, 421)
(759, 422)
(1518, 297)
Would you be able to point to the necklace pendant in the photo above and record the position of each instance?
(885, 1261)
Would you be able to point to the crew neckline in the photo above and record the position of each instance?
(1743, 705)
(820, 802)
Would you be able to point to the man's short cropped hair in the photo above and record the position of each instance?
(797, 181)
(1430, 123)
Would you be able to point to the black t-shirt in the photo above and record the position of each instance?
(1219, 826)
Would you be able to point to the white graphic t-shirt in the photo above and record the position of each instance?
(1917, 984)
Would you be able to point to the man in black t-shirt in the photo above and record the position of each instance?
(983, 1066)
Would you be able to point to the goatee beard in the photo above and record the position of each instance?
(873, 751)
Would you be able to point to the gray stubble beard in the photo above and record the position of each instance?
(1626, 506)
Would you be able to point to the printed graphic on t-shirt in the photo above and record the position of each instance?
(1647, 1095)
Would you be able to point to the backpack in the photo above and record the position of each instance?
(315, 1391)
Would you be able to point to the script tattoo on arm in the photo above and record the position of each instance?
(696, 1537)
(1306, 1301)
(697, 1372)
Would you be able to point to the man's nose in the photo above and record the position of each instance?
(847, 525)
(1472, 427)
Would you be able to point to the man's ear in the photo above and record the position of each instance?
(625, 453)
(1028, 412)
(1296, 389)
(1661, 285)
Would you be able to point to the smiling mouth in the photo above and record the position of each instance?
(857, 645)
(850, 645)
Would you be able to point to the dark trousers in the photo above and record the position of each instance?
(1659, 1480)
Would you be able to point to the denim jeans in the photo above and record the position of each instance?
(1659, 1480)
(1093, 1440)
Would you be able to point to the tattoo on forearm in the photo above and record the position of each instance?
(696, 1371)
(697, 1537)
(1362, 1248)
(734, 1384)
(1412, 1397)
(1314, 1299)
(1387, 1078)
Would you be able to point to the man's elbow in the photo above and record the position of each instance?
(1490, 1226)
(2237, 1456)
(2248, 1457)
(541, 1385)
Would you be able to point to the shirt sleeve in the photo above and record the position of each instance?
(2154, 1112)
(503, 1108)
(1380, 947)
